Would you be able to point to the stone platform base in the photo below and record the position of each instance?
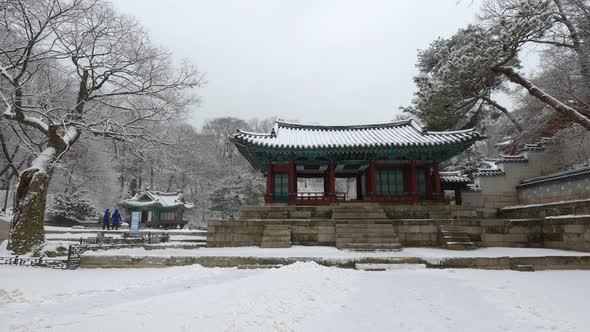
(408, 226)
(488, 263)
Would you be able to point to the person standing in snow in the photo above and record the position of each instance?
(116, 219)
(106, 220)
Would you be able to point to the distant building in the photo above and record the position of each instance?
(158, 209)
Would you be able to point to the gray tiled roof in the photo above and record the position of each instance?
(406, 133)
(453, 177)
(512, 159)
(489, 172)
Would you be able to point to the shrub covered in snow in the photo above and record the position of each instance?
(71, 208)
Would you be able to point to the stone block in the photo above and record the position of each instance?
(553, 237)
(492, 223)
(575, 228)
(325, 229)
(516, 237)
(428, 229)
(492, 237)
(473, 229)
(519, 230)
(326, 237)
(495, 230)
(417, 237)
(300, 214)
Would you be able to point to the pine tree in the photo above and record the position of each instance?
(71, 207)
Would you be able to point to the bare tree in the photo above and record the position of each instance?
(74, 67)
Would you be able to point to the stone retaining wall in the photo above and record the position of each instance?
(579, 207)
(530, 226)
(488, 263)
(412, 232)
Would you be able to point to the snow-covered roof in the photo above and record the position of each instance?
(405, 133)
(532, 147)
(453, 177)
(512, 159)
(156, 199)
(473, 187)
(489, 172)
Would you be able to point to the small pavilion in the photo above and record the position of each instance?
(158, 209)
(389, 163)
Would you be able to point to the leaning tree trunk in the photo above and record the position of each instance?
(26, 229)
(540, 94)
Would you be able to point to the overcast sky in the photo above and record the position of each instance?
(315, 61)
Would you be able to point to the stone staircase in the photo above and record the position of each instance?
(359, 212)
(455, 238)
(365, 235)
(276, 236)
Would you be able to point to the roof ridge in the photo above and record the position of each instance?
(343, 127)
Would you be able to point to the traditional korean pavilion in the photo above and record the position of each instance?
(389, 163)
(158, 209)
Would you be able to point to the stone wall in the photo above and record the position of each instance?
(540, 211)
(567, 232)
(563, 190)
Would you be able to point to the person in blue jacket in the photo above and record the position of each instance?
(106, 220)
(116, 219)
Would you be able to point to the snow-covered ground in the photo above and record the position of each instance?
(298, 297)
(333, 253)
(96, 228)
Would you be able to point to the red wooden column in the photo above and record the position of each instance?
(372, 181)
(269, 183)
(413, 181)
(292, 196)
(437, 187)
(332, 181)
(428, 178)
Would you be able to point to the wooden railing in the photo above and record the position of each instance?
(320, 195)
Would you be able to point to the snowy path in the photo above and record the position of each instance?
(299, 297)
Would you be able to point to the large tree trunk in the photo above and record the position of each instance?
(537, 92)
(26, 230)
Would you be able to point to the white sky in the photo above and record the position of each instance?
(315, 61)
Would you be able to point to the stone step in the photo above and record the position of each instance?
(357, 229)
(278, 244)
(462, 238)
(370, 246)
(454, 237)
(460, 246)
(522, 268)
(277, 232)
(355, 215)
(351, 226)
(277, 227)
(366, 235)
(259, 266)
(276, 239)
(387, 266)
(451, 228)
(363, 241)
